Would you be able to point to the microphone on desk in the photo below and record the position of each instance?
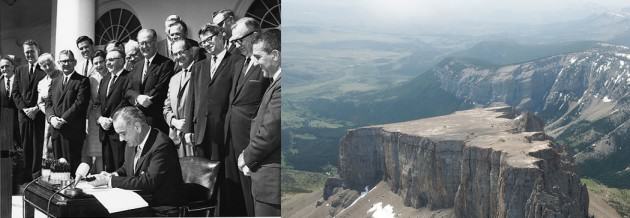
(81, 172)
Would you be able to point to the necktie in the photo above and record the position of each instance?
(246, 66)
(65, 81)
(111, 82)
(136, 157)
(214, 66)
(8, 86)
(85, 68)
(144, 71)
(30, 69)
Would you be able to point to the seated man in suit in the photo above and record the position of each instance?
(151, 162)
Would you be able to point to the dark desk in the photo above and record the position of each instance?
(37, 194)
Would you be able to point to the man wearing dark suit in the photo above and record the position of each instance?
(212, 80)
(179, 30)
(9, 133)
(261, 157)
(248, 87)
(151, 162)
(66, 110)
(148, 82)
(111, 97)
(8, 111)
(225, 19)
(30, 119)
(164, 45)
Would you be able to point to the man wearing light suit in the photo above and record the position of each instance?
(261, 157)
(248, 87)
(176, 102)
(66, 110)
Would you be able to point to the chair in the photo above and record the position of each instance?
(200, 176)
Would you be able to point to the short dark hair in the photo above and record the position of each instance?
(31, 42)
(270, 39)
(130, 114)
(210, 28)
(99, 53)
(180, 22)
(187, 44)
(85, 38)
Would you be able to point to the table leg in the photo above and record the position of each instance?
(29, 210)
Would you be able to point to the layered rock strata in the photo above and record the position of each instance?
(481, 162)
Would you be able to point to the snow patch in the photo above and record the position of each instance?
(378, 211)
(606, 99)
(573, 59)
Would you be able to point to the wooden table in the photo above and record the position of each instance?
(36, 196)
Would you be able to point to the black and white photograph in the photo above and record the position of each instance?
(140, 108)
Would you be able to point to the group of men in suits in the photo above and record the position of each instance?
(218, 99)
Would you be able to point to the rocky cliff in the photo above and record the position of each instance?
(481, 163)
(581, 96)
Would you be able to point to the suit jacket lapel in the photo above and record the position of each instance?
(242, 81)
(147, 146)
(220, 67)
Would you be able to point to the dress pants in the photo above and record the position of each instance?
(32, 134)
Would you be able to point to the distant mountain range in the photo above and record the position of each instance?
(583, 96)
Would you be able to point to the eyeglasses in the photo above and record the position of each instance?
(66, 61)
(112, 59)
(240, 40)
(223, 21)
(208, 41)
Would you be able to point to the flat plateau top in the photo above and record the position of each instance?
(483, 127)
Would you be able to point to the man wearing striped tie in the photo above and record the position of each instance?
(211, 81)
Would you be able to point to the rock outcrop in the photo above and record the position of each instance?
(480, 162)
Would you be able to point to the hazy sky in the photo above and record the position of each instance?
(438, 12)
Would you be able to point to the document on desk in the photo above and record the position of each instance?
(110, 198)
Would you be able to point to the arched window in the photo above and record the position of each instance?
(267, 12)
(116, 24)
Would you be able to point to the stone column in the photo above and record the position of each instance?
(74, 18)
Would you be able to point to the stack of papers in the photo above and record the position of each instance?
(110, 198)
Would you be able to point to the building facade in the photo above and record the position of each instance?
(56, 24)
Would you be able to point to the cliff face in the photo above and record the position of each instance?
(582, 96)
(478, 162)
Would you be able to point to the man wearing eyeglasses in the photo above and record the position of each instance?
(225, 19)
(111, 97)
(179, 30)
(211, 82)
(66, 110)
(148, 83)
(176, 102)
(248, 87)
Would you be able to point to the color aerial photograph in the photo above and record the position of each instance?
(482, 108)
